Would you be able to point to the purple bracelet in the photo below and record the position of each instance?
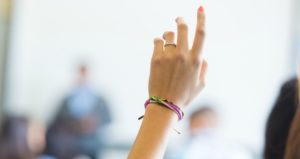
(167, 104)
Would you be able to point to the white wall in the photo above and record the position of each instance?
(247, 47)
(296, 31)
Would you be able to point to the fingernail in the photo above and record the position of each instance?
(201, 9)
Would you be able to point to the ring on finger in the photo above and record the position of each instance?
(170, 44)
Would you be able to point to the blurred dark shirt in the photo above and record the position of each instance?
(280, 120)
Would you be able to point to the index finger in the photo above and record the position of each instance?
(200, 32)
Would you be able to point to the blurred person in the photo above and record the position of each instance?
(80, 120)
(292, 150)
(206, 142)
(280, 120)
(22, 139)
(201, 120)
(293, 144)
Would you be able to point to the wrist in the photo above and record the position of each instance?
(177, 101)
(165, 103)
(160, 112)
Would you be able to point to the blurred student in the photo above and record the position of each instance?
(206, 142)
(203, 120)
(282, 135)
(80, 119)
(292, 150)
(280, 120)
(21, 139)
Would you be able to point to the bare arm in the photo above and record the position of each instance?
(177, 74)
(153, 135)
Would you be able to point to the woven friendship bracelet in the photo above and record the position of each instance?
(165, 103)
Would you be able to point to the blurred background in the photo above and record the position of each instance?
(77, 71)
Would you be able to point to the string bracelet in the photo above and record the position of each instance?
(165, 103)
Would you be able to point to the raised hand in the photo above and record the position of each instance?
(178, 75)
(177, 71)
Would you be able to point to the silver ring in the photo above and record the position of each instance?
(171, 44)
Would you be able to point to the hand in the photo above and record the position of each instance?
(177, 72)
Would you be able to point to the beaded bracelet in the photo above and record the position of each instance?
(165, 103)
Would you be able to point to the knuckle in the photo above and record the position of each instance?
(182, 26)
(156, 60)
(179, 57)
(201, 32)
(196, 62)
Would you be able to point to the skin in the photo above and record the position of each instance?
(177, 74)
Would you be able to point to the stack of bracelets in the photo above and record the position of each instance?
(165, 103)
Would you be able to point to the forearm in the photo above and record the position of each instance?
(153, 136)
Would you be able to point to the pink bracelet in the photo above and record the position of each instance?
(165, 103)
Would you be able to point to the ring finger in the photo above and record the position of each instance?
(169, 37)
